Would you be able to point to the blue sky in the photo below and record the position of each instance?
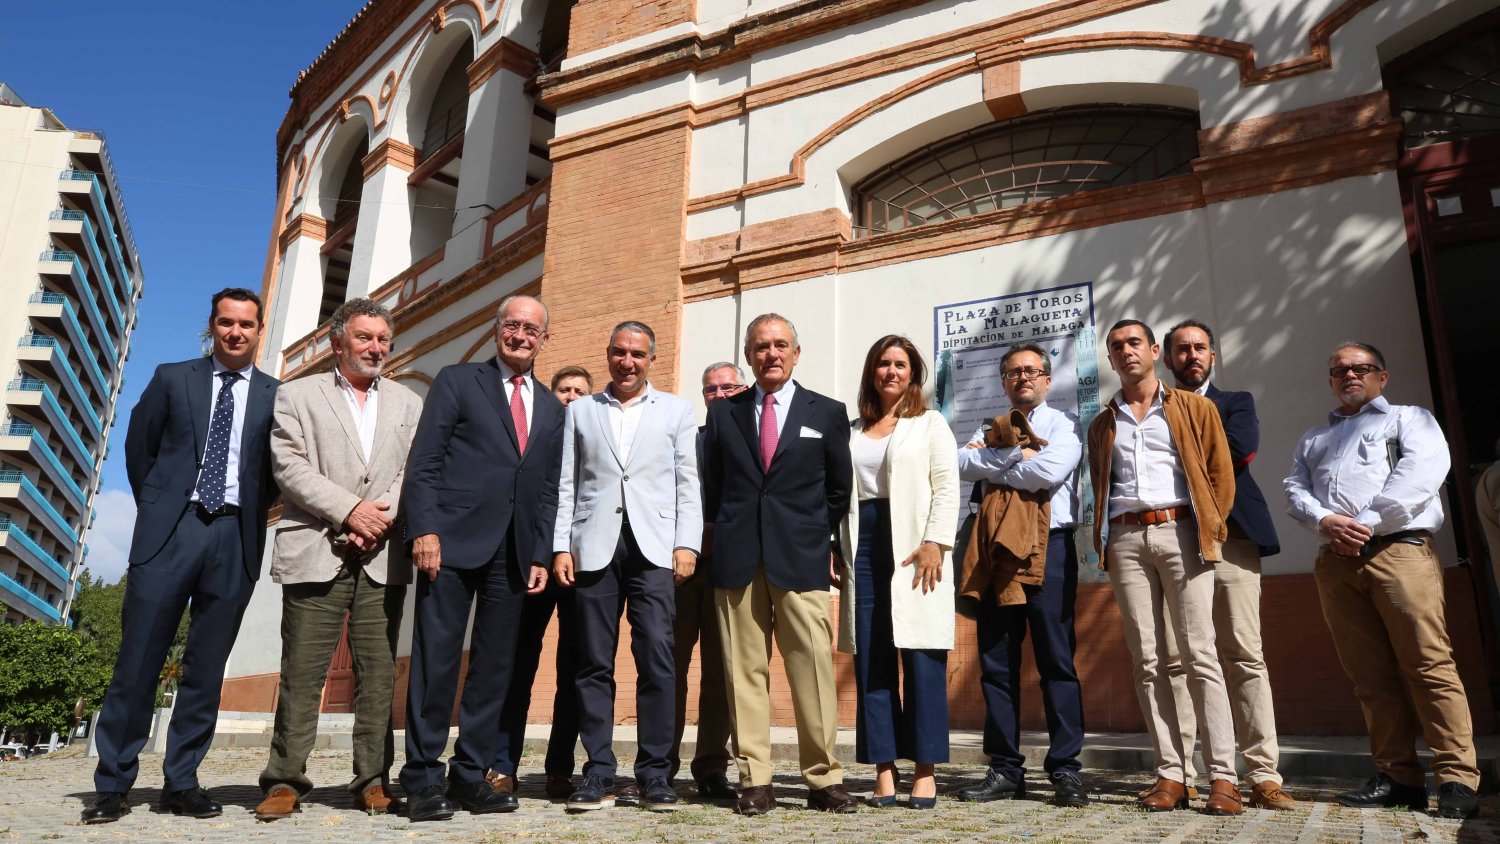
(189, 97)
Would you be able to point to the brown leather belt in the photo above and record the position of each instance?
(1152, 517)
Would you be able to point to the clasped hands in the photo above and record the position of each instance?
(1346, 536)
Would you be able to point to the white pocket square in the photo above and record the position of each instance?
(809, 432)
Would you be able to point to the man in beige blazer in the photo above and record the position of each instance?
(339, 442)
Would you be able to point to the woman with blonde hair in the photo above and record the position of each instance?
(898, 604)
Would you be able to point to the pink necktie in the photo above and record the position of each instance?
(768, 436)
(518, 413)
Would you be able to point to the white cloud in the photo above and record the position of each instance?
(109, 538)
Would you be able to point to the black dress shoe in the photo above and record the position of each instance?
(716, 787)
(108, 807)
(429, 804)
(996, 786)
(193, 802)
(480, 798)
(1456, 800)
(595, 793)
(1382, 792)
(1068, 790)
(657, 796)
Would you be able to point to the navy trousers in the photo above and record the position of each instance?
(437, 645)
(1048, 611)
(633, 586)
(536, 612)
(911, 723)
(200, 567)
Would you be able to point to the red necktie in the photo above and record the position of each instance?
(518, 413)
(768, 435)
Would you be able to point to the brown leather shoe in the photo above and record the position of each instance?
(755, 800)
(559, 787)
(1165, 796)
(1224, 799)
(281, 802)
(377, 799)
(1192, 792)
(832, 799)
(502, 783)
(1269, 795)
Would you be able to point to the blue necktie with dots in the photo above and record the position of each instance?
(211, 480)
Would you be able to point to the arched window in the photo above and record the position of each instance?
(1449, 90)
(338, 250)
(1039, 156)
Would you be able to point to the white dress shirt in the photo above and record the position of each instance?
(869, 464)
(506, 373)
(1146, 471)
(624, 419)
(364, 417)
(1343, 468)
(241, 393)
(783, 401)
(1055, 467)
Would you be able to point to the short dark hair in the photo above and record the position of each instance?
(1027, 347)
(912, 402)
(634, 327)
(1355, 344)
(1213, 344)
(239, 294)
(1126, 323)
(572, 372)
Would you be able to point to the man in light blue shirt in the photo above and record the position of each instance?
(1026, 375)
(1367, 482)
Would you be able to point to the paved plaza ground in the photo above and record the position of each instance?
(40, 800)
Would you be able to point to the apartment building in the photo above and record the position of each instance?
(70, 280)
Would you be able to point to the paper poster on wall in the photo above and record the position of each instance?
(970, 337)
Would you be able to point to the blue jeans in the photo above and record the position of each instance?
(885, 730)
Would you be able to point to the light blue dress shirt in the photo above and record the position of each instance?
(1055, 467)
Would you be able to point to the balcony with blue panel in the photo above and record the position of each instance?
(106, 219)
(29, 551)
(16, 486)
(45, 352)
(63, 263)
(22, 442)
(34, 395)
(21, 599)
(74, 228)
(55, 311)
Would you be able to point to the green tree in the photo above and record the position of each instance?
(97, 610)
(47, 669)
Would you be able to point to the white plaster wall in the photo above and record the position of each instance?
(1280, 278)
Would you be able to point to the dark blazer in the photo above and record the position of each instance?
(785, 518)
(465, 480)
(1242, 428)
(164, 451)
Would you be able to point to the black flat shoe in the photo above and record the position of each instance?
(885, 801)
(996, 786)
(716, 787)
(922, 802)
(429, 804)
(1068, 791)
(109, 806)
(1456, 800)
(1382, 792)
(480, 798)
(193, 802)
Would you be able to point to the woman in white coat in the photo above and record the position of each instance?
(898, 605)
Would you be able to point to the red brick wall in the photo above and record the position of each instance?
(600, 23)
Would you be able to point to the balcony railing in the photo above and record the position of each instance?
(28, 384)
(76, 329)
(86, 294)
(90, 241)
(443, 128)
(26, 429)
(29, 490)
(8, 584)
(9, 527)
(97, 191)
(80, 396)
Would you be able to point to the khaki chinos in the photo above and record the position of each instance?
(1386, 614)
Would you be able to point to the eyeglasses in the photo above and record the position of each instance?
(1028, 374)
(515, 326)
(726, 389)
(1360, 369)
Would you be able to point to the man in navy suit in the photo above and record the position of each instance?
(198, 458)
(1191, 354)
(777, 476)
(480, 500)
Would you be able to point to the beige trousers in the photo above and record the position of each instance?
(1237, 632)
(1386, 616)
(804, 636)
(1154, 567)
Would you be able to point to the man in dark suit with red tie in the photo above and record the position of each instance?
(777, 477)
(480, 500)
(198, 455)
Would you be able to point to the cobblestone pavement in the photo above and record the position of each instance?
(40, 800)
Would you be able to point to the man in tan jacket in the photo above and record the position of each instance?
(339, 442)
(1163, 487)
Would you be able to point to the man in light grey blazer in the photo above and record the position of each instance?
(339, 442)
(629, 521)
